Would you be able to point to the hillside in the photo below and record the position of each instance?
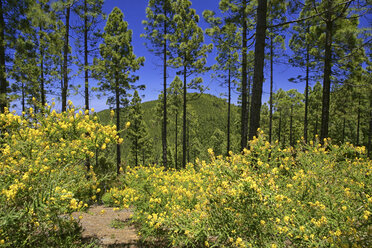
(208, 118)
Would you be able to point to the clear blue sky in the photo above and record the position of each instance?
(151, 73)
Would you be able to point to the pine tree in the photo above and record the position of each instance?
(303, 44)
(116, 65)
(137, 131)
(175, 102)
(12, 20)
(227, 40)
(158, 26)
(238, 12)
(188, 53)
(337, 27)
(90, 15)
(25, 71)
(276, 13)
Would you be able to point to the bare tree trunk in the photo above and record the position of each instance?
(271, 88)
(176, 142)
(164, 129)
(243, 142)
(118, 152)
(370, 130)
(136, 152)
(65, 58)
(343, 130)
(228, 112)
(291, 128)
(86, 76)
(3, 82)
(358, 123)
(280, 125)
(86, 55)
(327, 74)
(306, 92)
(42, 79)
(23, 96)
(258, 77)
(184, 147)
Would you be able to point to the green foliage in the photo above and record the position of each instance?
(43, 176)
(159, 25)
(209, 114)
(309, 196)
(140, 147)
(118, 60)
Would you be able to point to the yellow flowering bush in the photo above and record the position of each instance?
(44, 175)
(309, 196)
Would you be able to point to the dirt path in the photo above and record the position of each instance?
(110, 228)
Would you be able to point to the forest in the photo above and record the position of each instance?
(196, 170)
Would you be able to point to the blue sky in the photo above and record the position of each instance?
(151, 73)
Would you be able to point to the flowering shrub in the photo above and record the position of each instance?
(43, 176)
(309, 196)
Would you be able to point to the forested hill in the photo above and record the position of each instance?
(207, 119)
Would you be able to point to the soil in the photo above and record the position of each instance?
(108, 228)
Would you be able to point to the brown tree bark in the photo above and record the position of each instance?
(243, 132)
(228, 112)
(271, 89)
(306, 92)
(3, 82)
(65, 58)
(327, 76)
(86, 71)
(184, 145)
(164, 129)
(258, 76)
(118, 151)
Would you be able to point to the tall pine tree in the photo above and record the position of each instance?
(114, 68)
(158, 26)
(188, 53)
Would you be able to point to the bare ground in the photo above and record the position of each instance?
(108, 227)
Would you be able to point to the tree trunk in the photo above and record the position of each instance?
(358, 123)
(65, 58)
(188, 141)
(86, 76)
(370, 130)
(258, 77)
(86, 55)
(42, 79)
(136, 152)
(280, 125)
(118, 152)
(143, 157)
(271, 88)
(184, 148)
(3, 82)
(291, 128)
(243, 142)
(306, 92)
(176, 142)
(248, 99)
(327, 75)
(228, 112)
(164, 129)
(23, 96)
(343, 130)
